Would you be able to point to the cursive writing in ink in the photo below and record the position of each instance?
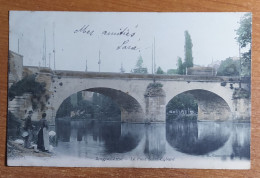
(121, 32)
(85, 29)
(125, 45)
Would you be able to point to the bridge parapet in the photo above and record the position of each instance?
(198, 78)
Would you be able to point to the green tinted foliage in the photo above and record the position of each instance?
(65, 108)
(172, 71)
(244, 31)
(139, 67)
(100, 107)
(180, 67)
(79, 97)
(159, 71)
(244, 39)
(139, 62)
(188, 51)
(229, 67)
(140, 71)
(182, 102)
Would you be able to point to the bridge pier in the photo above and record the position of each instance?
(132, 116)
(155, 103)
(155, 109)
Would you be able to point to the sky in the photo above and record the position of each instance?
(77, 38)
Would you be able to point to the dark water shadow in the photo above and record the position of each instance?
(115, 137)
(196, 138)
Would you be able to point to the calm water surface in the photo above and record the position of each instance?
(97, 140)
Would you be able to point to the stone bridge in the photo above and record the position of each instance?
(129, 91)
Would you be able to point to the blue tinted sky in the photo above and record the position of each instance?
(213, 37)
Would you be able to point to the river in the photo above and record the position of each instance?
(157, 141)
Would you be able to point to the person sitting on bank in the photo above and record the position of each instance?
(28, 128)
(43, 136)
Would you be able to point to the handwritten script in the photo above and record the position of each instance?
(125, 32)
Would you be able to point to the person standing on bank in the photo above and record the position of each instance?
(43, 135)
(28, 128)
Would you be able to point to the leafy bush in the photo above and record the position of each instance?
(241, 93)
(229, 67)
(29, 85)
(154, 89)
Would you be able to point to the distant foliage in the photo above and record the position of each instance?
(100, 107)
(139, 69)
(182, 102)
(244, 39)
(65, 108)
(172, 71)
(229, 67)
(180, 66)
(188, 58)
(139, 62)
(188, 51)
(159, 71)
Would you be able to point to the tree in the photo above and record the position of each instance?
(108, 107)
(244, 39)
(188, 59)
(183, 101)
(29, 84)
(172, 71)
(139, 66)
(95, 99)
(229, 67)
(159, 70)
(180, 67)
(79, 97)
(139, 63)
(65, 108)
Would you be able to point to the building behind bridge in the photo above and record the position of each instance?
(202, 71)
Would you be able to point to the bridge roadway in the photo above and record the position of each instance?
(138, 103)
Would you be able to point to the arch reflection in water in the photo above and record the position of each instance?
(241, 141)
(197, 138)
(91, 138)
(155, 141)
(121, 137)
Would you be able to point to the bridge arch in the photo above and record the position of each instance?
(131, 110)
(211, 106)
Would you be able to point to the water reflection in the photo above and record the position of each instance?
(89, 138)
(241, 140)
(63, 129)
(121, 138)
(154, 141)
(113, 137)
(197, 138)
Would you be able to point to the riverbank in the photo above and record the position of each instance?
(16, 150)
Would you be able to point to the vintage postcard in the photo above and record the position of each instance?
(117, 89)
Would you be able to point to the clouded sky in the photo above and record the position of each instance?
(213, 37)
